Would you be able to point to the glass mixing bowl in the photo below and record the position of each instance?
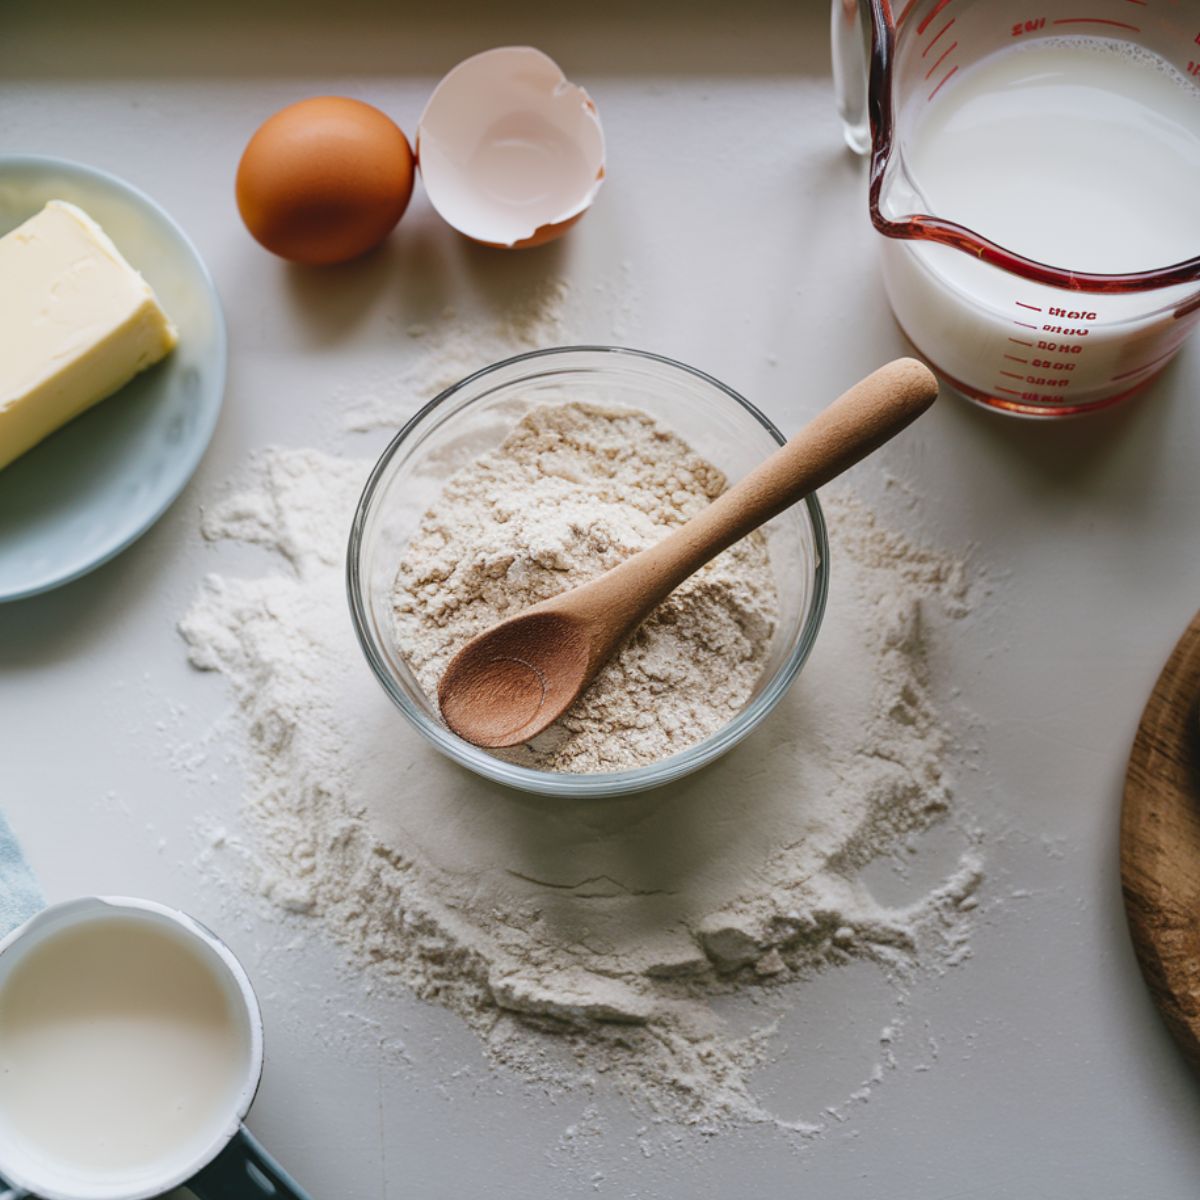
(474, 416)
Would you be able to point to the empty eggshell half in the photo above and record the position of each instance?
(511, 152)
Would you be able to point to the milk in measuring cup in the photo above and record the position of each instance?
(1082, 154)
(119, 1049)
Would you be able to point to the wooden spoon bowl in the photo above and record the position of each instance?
(529, 666)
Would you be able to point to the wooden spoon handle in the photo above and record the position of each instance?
(856, 423)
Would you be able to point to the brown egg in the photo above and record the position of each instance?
(324, 180)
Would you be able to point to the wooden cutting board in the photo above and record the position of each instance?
(1160, 842)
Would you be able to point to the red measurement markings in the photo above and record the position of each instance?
(1031, 397)
(1014, 358)
(941, 85)
(1022, 304)
(1146, 366)
(1011, 375)
(934, 40)
(1025, 325)
(1096, 21)
(927, 20)
(1020, 341)
(1187, 308)
(904, 12)
(1142, 2)
(1193, 68)
(953, 47)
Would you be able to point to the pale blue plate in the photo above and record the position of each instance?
(96, 485)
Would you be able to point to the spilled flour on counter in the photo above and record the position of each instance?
(573, 490)
(453, 346)
(590, 939)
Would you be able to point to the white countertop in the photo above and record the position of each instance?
(734, 226)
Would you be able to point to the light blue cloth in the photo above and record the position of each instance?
(20, 896)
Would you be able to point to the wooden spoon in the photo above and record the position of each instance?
(510, 682)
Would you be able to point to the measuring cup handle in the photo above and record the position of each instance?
(849, 43)
(244, 1171)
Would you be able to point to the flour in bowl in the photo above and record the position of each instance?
(572, 491)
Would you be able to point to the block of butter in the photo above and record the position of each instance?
(77, 322)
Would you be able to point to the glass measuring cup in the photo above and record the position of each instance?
(1015, 334)
(212, 1152)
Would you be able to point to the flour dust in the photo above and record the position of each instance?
(453, 347)
(598, 939)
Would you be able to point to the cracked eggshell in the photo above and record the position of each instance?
(511, 152)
